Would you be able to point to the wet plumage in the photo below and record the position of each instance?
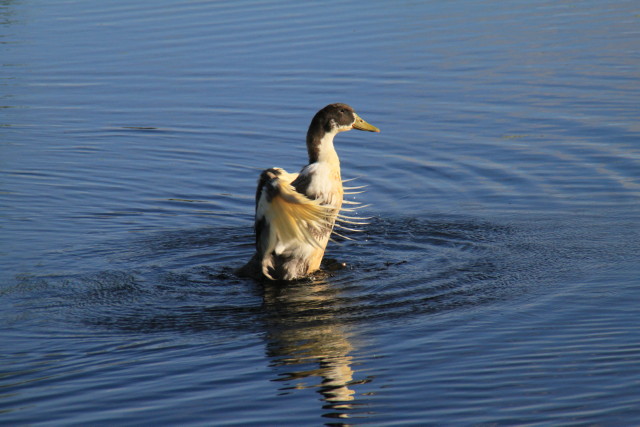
(296, 212)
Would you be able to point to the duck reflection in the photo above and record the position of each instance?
(309, 342)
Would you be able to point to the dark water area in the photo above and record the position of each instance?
(495, 282)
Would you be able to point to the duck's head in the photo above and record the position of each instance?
(338, 117)
(327, 123)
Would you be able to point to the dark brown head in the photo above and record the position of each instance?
(330, 120)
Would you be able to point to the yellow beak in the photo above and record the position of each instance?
(362, 125)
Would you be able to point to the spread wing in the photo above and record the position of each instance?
(285, 215)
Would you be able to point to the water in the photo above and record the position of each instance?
(496, 281)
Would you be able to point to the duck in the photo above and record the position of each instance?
(295, 213)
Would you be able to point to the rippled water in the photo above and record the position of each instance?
(495, 283)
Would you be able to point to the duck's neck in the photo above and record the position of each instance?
(325, 183)
(320, 148)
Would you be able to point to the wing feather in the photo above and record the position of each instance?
(285, 215)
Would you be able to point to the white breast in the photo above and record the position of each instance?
(325, 184)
